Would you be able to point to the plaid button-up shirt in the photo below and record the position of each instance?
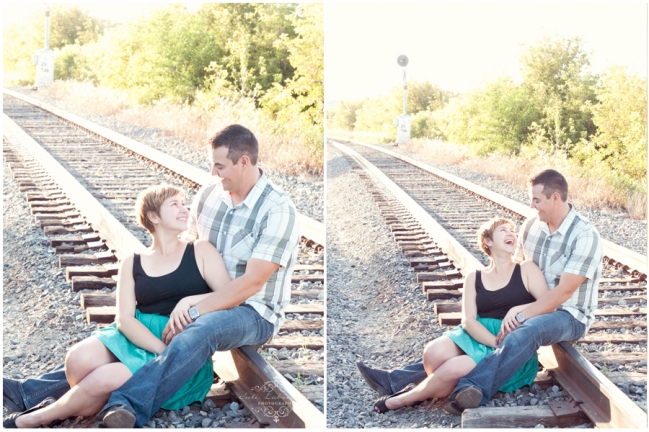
(573, 248)
(262, 226)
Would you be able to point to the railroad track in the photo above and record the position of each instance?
(434, 216)
(81, 181)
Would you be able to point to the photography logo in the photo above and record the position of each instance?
(269, 403)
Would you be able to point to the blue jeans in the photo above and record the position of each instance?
(52, 384)
(494, 370)
(413, 373)
(158, 380)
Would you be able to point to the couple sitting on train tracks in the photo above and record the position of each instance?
(508, 312)
(229, 289)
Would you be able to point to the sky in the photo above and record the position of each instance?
(461, 46)
(14, 12)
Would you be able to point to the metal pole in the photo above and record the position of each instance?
(405, 91)
(47, 26)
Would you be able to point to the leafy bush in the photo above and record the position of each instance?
(620, 116)
(297, 103)
(69, 25)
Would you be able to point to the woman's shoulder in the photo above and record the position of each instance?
(529, 268)
(471, 276)
(204, 247)
(528, 265)
(128, 260)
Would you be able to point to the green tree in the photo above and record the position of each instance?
(621, 120)
(69, 25)
(555, 71)
(377, 115)
(422, 96)
(297, 103)
(343, 115)
(495, 118)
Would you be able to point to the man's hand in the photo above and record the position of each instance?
(179, 317)
(510, 322)
(178, 320)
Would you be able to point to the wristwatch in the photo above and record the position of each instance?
(193, 313)
(520, 317)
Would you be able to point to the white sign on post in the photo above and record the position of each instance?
(403, 128)
(44, 68)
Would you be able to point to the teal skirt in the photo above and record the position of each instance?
(135, 357)
(477, 351)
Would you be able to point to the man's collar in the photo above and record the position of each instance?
(567, 221)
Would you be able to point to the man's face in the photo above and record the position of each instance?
(538, 201)
(223, 167)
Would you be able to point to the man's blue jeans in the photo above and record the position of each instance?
(52, 384)
(158, 380)
(518, 347)
(495, 369)
(413, 373)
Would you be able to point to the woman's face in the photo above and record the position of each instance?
(504, 238)
(173, 213)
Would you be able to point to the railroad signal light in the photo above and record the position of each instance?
(403, 121)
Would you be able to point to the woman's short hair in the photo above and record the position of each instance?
(486, 231)
(150, 200)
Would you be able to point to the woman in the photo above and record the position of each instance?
(491, 299)
(148, 296)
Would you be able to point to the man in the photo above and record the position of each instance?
(254, 226)
(568, 250)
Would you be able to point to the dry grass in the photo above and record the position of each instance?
(587, 188)
(195, 125)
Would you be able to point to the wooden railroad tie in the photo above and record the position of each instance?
(74, 240)
(51, 230)
(556, 414)
(99, 271)
(431, 277)
(86, 259)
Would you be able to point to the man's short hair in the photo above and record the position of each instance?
(239, 141)
(552, 182)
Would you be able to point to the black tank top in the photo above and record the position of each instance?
(159, 295)
(496, 304)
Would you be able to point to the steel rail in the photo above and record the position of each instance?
(466, 262)
(249, 365)
(627, 258)
(309, 227)
(599, 398)
(118, 238)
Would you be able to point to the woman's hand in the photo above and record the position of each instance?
(510, 322)
(179, 317)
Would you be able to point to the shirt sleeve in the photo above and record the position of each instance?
(278, 236)
(519, 253)
(586, 255)
(191, 233)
